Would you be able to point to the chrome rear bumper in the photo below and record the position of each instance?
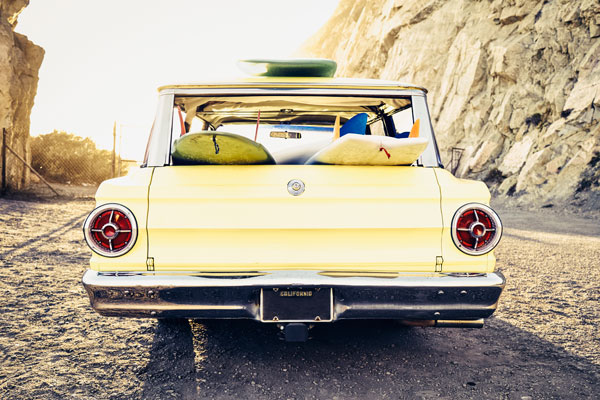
(405, 296)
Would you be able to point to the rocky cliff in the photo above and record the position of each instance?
(515, 83)
(20, 61)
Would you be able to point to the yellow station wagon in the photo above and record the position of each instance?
(295, 201)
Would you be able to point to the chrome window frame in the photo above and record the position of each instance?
(159, 140)
(431, 156)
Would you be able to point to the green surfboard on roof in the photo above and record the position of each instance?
(299, 67)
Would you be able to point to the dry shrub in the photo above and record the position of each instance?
(67, 158)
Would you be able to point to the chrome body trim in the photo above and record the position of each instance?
(407, 296)
(291, 91)
(311, 83)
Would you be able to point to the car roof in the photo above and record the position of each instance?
(297, 82)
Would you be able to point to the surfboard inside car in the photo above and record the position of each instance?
(254, 202)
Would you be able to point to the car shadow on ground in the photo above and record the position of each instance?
(32, 245)
(171, 369)
(361, 359)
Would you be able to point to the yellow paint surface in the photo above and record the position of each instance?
(242, 218)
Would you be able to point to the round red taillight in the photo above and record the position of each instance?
(110, 230)
(476, 229)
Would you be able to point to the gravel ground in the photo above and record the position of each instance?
(542, 343)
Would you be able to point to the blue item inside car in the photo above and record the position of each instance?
(356, 124)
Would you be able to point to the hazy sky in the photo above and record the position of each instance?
(105, 59)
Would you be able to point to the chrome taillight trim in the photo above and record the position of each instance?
(87, 229)
(495, 220)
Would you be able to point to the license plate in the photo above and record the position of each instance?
(296, 304)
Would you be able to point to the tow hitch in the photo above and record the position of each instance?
(295, 332)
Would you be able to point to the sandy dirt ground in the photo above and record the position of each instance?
(542, 343)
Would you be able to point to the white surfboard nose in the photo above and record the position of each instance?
(353, 149)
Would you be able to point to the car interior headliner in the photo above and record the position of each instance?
(278, 109)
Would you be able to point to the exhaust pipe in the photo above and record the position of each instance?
(440, 323)
(468, 323)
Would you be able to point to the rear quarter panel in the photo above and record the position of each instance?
(130, 191)
(455, 193)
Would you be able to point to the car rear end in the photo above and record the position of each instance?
(292, 243)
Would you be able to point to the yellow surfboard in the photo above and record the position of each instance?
(218, 148)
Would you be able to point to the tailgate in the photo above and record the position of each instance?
(242, 218)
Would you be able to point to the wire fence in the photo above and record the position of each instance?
(63, 163)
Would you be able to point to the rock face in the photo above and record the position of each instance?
(515, 83)
(20, 61)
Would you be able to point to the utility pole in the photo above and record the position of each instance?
(3, 155)
(114, 159)
(120, 146)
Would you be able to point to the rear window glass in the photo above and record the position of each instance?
(281, 124)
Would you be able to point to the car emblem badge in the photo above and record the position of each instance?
(295, 187)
